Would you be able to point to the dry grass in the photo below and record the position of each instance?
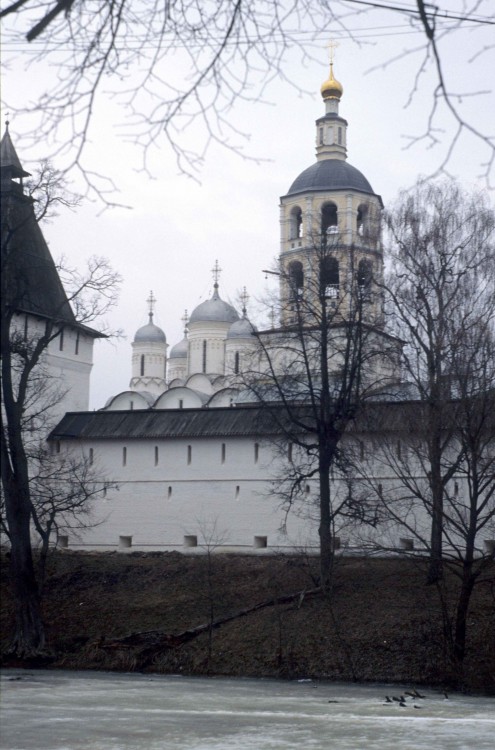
(380, 623)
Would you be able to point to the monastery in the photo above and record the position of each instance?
(187, 457)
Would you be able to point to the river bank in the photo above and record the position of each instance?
(381, 623)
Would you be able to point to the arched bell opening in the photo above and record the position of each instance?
(296, 279)
(329, 219)
(296, 223)
(330, 277)
(364, 279)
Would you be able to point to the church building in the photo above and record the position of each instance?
(195, 457)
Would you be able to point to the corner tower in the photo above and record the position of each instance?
(331, 205)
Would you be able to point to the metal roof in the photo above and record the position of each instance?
(330, 174)
(238, 421)
(168, 423)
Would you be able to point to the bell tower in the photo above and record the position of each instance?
(330, 224)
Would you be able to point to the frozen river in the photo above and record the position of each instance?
(104, 711)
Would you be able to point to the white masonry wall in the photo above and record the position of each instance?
(169, 489)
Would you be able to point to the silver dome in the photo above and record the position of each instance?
(214, 309)
(241, 329)
(150, 333)
(179, 350)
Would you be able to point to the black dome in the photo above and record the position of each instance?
(330, 174)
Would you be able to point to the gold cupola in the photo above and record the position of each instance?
(331, 88)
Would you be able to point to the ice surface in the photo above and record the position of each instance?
(46, 710)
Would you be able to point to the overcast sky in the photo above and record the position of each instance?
(176, 228)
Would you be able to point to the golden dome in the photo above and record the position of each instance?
(331, 88)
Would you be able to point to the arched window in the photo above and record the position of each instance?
(330, 277)
(141, 370)
(205, 348)
(296, 279)
(364, 278)
(296, 223)
(362, 219)
(329, 219)
(236, 363)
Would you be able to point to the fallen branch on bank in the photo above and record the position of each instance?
(151, 642)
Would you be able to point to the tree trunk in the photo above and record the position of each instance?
(435, 568)
(29, 636)
(324, 529)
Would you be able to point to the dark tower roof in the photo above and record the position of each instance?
(8, 157)
(330, 174)
(31, 282)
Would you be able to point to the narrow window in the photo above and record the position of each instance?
(456, 489)
(256, 452)
(237, 491)
(321, 136)
(289, 451)
(124, 456)
(223, 452)
(205, 347)
(308, 489)
(236, 363)
(131, 405)
(361, 450)
(169, 493)
(380, 491)
(399, 449)
(142, 365)
(57, 446)
(181, 403)
(61, 340)
(76, 350)
(189, 454)
(91, 456)
(156, 455)
(104, 490)
(339, 136)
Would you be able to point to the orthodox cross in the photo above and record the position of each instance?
(185, 320)
(244, 300)
(216, 271)
(332, 46)
(151, 302)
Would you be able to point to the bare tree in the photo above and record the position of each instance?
(35, 310)
(314, 373)
(62, 490)
(441, 288)
(175, 65)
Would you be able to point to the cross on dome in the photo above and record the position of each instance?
(244, 300)
(332, 46)
(216, 271)
(185, 320)
(151, 302)
(331, 88)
